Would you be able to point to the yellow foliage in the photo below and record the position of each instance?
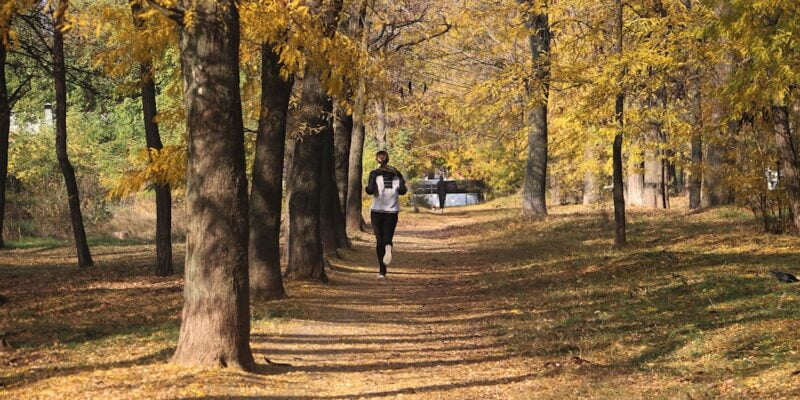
(155, 167)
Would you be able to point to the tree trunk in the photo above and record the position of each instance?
(713, 193)
(5, 128)
(353, 215)
(787, 156)
(331, 215)
(653, 182)
(327, 190)
(635, 184)
(354, 219)
(591, 182)
(306, 259)
(535, 186)
(620, 238)
(215, 326)
(696, 170)
(305, 243)
(163, 191)
(381, 131)
(163, 266)
(59, 75)
(342, 134)
(266, 195)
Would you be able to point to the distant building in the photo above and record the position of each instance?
(29, 127)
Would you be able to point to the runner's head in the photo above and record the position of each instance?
(382, 157)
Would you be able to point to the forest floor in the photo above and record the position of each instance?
(478, 305)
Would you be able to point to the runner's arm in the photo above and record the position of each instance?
(402, 189)
(372, 184)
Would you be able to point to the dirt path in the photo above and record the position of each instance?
(426, 332)
(423, 333)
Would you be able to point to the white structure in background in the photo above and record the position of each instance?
(459, 193)
(772, 179)
(31, 127)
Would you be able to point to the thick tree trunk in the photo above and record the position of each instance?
(342, 134)
(306, 258)
(215, 326)
(334, 234)
(59, 75)
(266, 195)
(635, 184)
(620, 238)
(5, 128)
(591, 181)
(305, 242)
(535, 186)
(713, 193)
(327, 191)
(787, 156)
(163, 266)
(653, 174)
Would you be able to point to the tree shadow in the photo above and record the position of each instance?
(33, 376)
(429, 389)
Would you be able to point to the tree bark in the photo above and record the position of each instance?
(653, 174)
(695, 181)
(354, 217)
(787, 156)
(332, 219)
(163, 266)
(381, 131)
(535, 186)
(342, 134)
(266, 195)
(306, 259)
(215, 326)
(59, 76)
(713, 193)
(305, 243)
(5, 128)
(591, 182)
(696, 170)
(353, 213)
(327, 189)
(635, 184)
(620, 238)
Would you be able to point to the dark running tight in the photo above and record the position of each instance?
(383, 224)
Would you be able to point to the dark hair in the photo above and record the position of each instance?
(384, 154)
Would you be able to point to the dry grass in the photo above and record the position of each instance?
(478, 305)
(135, 217)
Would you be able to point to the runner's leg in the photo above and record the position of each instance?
(377, 220)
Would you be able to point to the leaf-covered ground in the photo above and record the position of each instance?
(478, 305)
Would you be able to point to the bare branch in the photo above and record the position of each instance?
(169, 12)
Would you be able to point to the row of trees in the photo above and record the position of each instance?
(527, 94)
(318, 65)
(648, 97)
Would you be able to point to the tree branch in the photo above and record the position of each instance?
(447, 27)
(169, 12)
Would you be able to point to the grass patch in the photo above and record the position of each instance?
(691, 295)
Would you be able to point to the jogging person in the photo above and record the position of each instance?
(386, 185)
(441, 191)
